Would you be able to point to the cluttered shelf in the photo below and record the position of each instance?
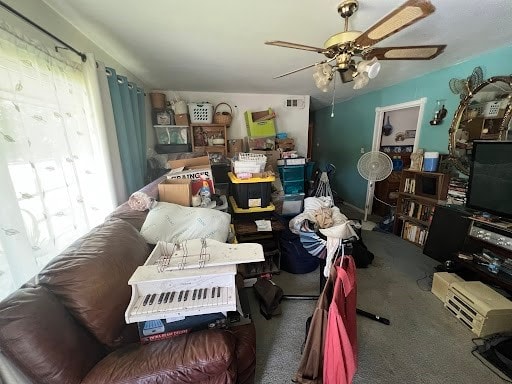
(481, 269)
(419, 194)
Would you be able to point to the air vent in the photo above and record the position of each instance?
(294, 102)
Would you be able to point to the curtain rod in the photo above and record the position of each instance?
(12, 10)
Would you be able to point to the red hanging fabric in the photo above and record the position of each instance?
(311, 364)
(340, 348)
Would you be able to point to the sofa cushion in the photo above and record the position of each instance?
(245, 352)
(199, 357)
(124, 212)
(91, 277)
(43, 340)
(175, 223)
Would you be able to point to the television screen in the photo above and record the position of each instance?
(490, 178)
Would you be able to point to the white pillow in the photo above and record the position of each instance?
(175, 223)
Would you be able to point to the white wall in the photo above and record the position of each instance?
(402, 120)
(293, 121)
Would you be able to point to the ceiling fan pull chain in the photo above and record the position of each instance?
(333, 94)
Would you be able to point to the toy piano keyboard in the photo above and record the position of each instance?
(190, 278)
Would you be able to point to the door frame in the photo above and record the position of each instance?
(377, 134)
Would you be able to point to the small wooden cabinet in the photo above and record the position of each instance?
(418, 195)
(209, 138)
(386, 191)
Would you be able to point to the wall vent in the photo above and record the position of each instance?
(294, 102)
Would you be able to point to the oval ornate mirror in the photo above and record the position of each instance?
(484, 114)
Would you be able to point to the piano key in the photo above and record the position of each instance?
(148, 307)
(194, 295)
(138, 304)
(161, 303)
(181, 302)
(146, 299)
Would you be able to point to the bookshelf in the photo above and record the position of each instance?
(418, 195)
(204, 136)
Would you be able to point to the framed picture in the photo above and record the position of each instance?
(410, 133)
(163, 118)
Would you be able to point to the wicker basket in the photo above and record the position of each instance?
(157, 100)
(223, 118)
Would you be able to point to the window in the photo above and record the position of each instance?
(51, 170)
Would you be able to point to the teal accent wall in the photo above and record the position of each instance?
(340, 138)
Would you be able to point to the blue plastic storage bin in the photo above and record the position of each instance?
(291, 172)
(293, 187)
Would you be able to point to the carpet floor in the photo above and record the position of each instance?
(424, 343)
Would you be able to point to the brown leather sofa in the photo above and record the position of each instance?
(67, 324)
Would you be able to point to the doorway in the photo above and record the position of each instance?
(396, 132)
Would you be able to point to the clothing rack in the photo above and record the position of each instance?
(322, 281)
(37, 26)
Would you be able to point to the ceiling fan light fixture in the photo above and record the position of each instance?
(361, 80)
(371, 67)
(356, 58)
(323, 76)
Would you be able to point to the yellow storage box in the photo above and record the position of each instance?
(260, 123)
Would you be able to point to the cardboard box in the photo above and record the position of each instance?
(177, 191)
(154, 330)
(272, 157)
(287, 144)
(181, 119)
(235, 145)
(261, 143)
(191, 168)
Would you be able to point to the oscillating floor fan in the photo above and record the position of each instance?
(373, 166)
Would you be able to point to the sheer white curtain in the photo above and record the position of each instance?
(103, 116)
(54, 181)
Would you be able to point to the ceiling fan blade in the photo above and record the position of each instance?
(408, 13)
(286, 44)
(418, 52)
(301, 69)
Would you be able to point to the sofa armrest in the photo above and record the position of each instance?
(200, 357)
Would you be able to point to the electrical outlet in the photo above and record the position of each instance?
(362, 149)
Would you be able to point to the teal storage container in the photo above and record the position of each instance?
(293, 187)
(291, 173)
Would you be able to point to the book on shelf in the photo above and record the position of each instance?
(457, 189)
(409, 185)
(418, 211)
(414, 233)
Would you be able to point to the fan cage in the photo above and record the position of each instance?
(375, 166)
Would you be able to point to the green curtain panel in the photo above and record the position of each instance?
(129, 116)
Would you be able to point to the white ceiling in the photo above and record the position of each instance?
(218, 46)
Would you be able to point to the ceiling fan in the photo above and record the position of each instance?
(343, 48)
